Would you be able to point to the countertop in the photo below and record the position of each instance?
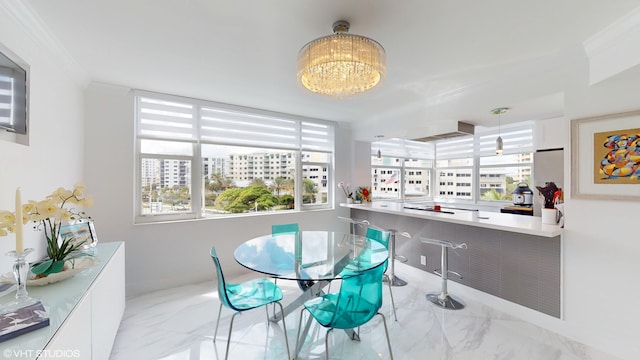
(531, 225)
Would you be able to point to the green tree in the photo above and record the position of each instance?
(258, 182)
(492, 194)
(279, 184)
(309, 191)
(239, 200)
(287, 200)
(219, 183)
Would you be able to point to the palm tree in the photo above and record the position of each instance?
(279, 184)
(258, 182)
(308, 191)
(219, 183)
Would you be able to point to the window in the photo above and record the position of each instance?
(500, 175)
(472, 160)
(403, 171)
(201, 159)
(454, 160)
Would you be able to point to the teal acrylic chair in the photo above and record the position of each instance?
(245, 296)
(284, 229)
(357, 302)
(383, 238)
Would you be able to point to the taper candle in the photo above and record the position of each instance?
(19, 238)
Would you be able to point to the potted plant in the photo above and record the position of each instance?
(62, 205)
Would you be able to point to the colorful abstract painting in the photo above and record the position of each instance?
(616, 156)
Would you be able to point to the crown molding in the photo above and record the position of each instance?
(614, 32)
(24, 14)
(614, 49)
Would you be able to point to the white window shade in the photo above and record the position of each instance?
(6, 96)
(455, 148)
(163, 118)
(223, 126)
(166, 117)
(516, 140)
(402, 148)
(316, 136)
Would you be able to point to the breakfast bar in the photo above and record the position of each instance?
(514, 257)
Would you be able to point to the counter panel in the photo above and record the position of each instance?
(523, 267)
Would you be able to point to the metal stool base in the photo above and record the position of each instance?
(395, 281)
(447, 302)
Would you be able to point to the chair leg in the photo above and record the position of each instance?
(386, 330)
(393, 303)
(284, 327)
(326, 343)
(299, 326)
(217, 323)
(226, 354)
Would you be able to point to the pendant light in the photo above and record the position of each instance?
(499, 144)
(378, 137)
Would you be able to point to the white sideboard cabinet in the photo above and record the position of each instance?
(85, 312)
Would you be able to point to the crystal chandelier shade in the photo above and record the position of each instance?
(341, 64)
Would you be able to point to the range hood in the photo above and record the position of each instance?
(444, 132)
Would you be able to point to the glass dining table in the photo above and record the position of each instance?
(313, 258)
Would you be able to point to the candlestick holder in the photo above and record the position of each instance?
(20, 272)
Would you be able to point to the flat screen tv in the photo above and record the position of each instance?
(13, 93)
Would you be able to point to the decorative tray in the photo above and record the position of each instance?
(74, 266)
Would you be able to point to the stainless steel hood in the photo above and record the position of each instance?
(457, 129)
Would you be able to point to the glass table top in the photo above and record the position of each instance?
(310, 255)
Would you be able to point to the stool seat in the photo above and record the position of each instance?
(443, 299)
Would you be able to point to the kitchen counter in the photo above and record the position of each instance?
(513, 257)
(530, 225)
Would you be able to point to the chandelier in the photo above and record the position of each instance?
(341, 64)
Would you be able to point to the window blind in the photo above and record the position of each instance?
(516, 140)
(161, 118)
(173, 118)
(6, 91)
(455, 148)
(403, 148)
(5, 97)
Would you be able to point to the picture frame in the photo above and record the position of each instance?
(605, 157)
(81, 231)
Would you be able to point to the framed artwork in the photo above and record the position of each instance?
(83, 231)
(605, 157)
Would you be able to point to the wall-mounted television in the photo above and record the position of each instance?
(14, 93)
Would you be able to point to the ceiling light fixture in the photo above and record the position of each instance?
(341, 64)
(499, 144)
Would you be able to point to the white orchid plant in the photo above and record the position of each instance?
(48, 215)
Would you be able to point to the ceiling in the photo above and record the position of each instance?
(446, 60)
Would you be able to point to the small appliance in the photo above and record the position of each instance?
(523, 195)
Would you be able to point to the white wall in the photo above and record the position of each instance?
(173, 253)
(600, 251)
(54, 156)
(602, 266)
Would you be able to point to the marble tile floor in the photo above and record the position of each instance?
(179, 323)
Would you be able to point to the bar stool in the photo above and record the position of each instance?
(442, 298)
(355, 222)
(391, 277)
